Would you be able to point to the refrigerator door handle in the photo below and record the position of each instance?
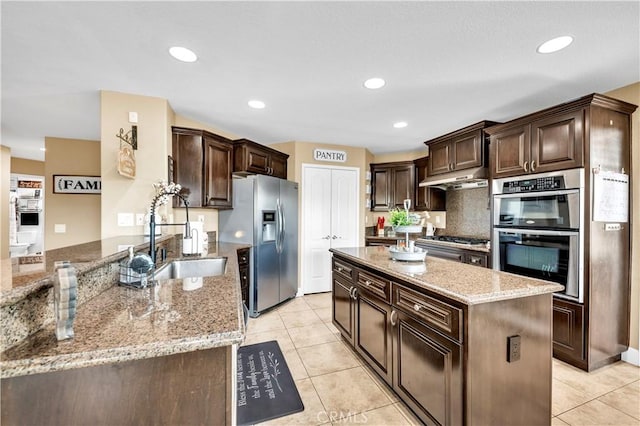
(283, 227)
(279, 226)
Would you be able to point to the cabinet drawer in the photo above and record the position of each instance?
(437, 314)
(343, 269)
(375, 285)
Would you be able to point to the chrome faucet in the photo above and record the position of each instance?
(164, 191)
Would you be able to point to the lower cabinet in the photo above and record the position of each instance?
(428, 371)
(408, 352)
(568, 331)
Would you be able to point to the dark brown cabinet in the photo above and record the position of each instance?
(428, 372)
(568, 329)
(391, 184)
(590, 131)
(252, 158)
(202, 163)
(446, 360)
(547, 144)
(427, 198)
(463, 149)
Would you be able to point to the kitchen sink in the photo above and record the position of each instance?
(189, 268)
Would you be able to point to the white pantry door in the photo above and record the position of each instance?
(330, 197)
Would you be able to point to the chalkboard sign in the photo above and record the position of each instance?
(266, 389)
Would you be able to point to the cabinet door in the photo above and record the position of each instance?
(373, 333)
(343, 308)
(218, 167)
(279, 166)
(257, 160)
(440, 158)
(468, 151)
(381, 178)
(188, 168)
(403, 185)
(427, 198)
(509, 152)
(556, 143)
(568, 330)
(427, 371)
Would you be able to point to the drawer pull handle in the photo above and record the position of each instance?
(340, 269)
(394, 316)
(417, 307)
(368, 283)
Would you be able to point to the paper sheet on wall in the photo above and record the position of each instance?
(610, 197)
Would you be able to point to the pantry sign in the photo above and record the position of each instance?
(329, 155)
(66, 184)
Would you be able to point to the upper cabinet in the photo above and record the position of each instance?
(463, 149)
(391, 184)
(427, 198)
(253, 158)
(202, 165)
(552, 140)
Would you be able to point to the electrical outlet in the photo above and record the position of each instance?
(125, 219)
(139, 219)
(60, 228)
(200, 218)
(513, 348)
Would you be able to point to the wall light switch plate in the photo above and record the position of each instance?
(139, 219)
(133, 117)
(125, 219)
(60, 228)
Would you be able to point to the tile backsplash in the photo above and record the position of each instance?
(468, 213)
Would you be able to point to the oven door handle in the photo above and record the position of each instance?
(536, 231)
(538, 193)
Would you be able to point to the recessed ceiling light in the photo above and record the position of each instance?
(374, 83)
(400, 124)
(555, 44)
(43, 149)
(256, 104)
(183, 54)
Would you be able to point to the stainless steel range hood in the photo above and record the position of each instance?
(463, 179)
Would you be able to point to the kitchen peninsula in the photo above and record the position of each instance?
(149, 356)
(458, 344)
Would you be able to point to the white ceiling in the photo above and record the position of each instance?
(447, 65)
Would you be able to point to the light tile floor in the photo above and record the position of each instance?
(337, 387)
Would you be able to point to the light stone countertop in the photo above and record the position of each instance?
(123, 324)
(28, 274)
(464, 283)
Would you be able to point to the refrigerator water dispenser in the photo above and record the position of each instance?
(268, 226)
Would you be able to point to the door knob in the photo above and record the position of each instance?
(327, 237)
(334, 237)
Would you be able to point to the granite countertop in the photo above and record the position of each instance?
(464, 283)
(123, 324)
(27, 274)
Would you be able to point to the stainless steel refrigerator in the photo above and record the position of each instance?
(265, 215)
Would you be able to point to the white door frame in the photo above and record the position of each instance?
(302, 203)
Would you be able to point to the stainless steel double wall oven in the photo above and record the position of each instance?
(538, 223)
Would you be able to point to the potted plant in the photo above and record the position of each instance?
(403, 221)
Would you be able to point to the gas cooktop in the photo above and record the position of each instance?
(458, 240)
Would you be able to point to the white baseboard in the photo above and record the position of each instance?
(300, 292)
(632, 356)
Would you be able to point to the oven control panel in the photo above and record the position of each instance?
(548, 183)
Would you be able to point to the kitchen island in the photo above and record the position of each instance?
(457, 343)
(164, 354)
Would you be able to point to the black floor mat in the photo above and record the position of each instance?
(266, 389)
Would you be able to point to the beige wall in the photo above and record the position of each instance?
(302, 153)
(631, 94)
(27, 167)
(5, 179)
(121, 194)
(80, 213)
